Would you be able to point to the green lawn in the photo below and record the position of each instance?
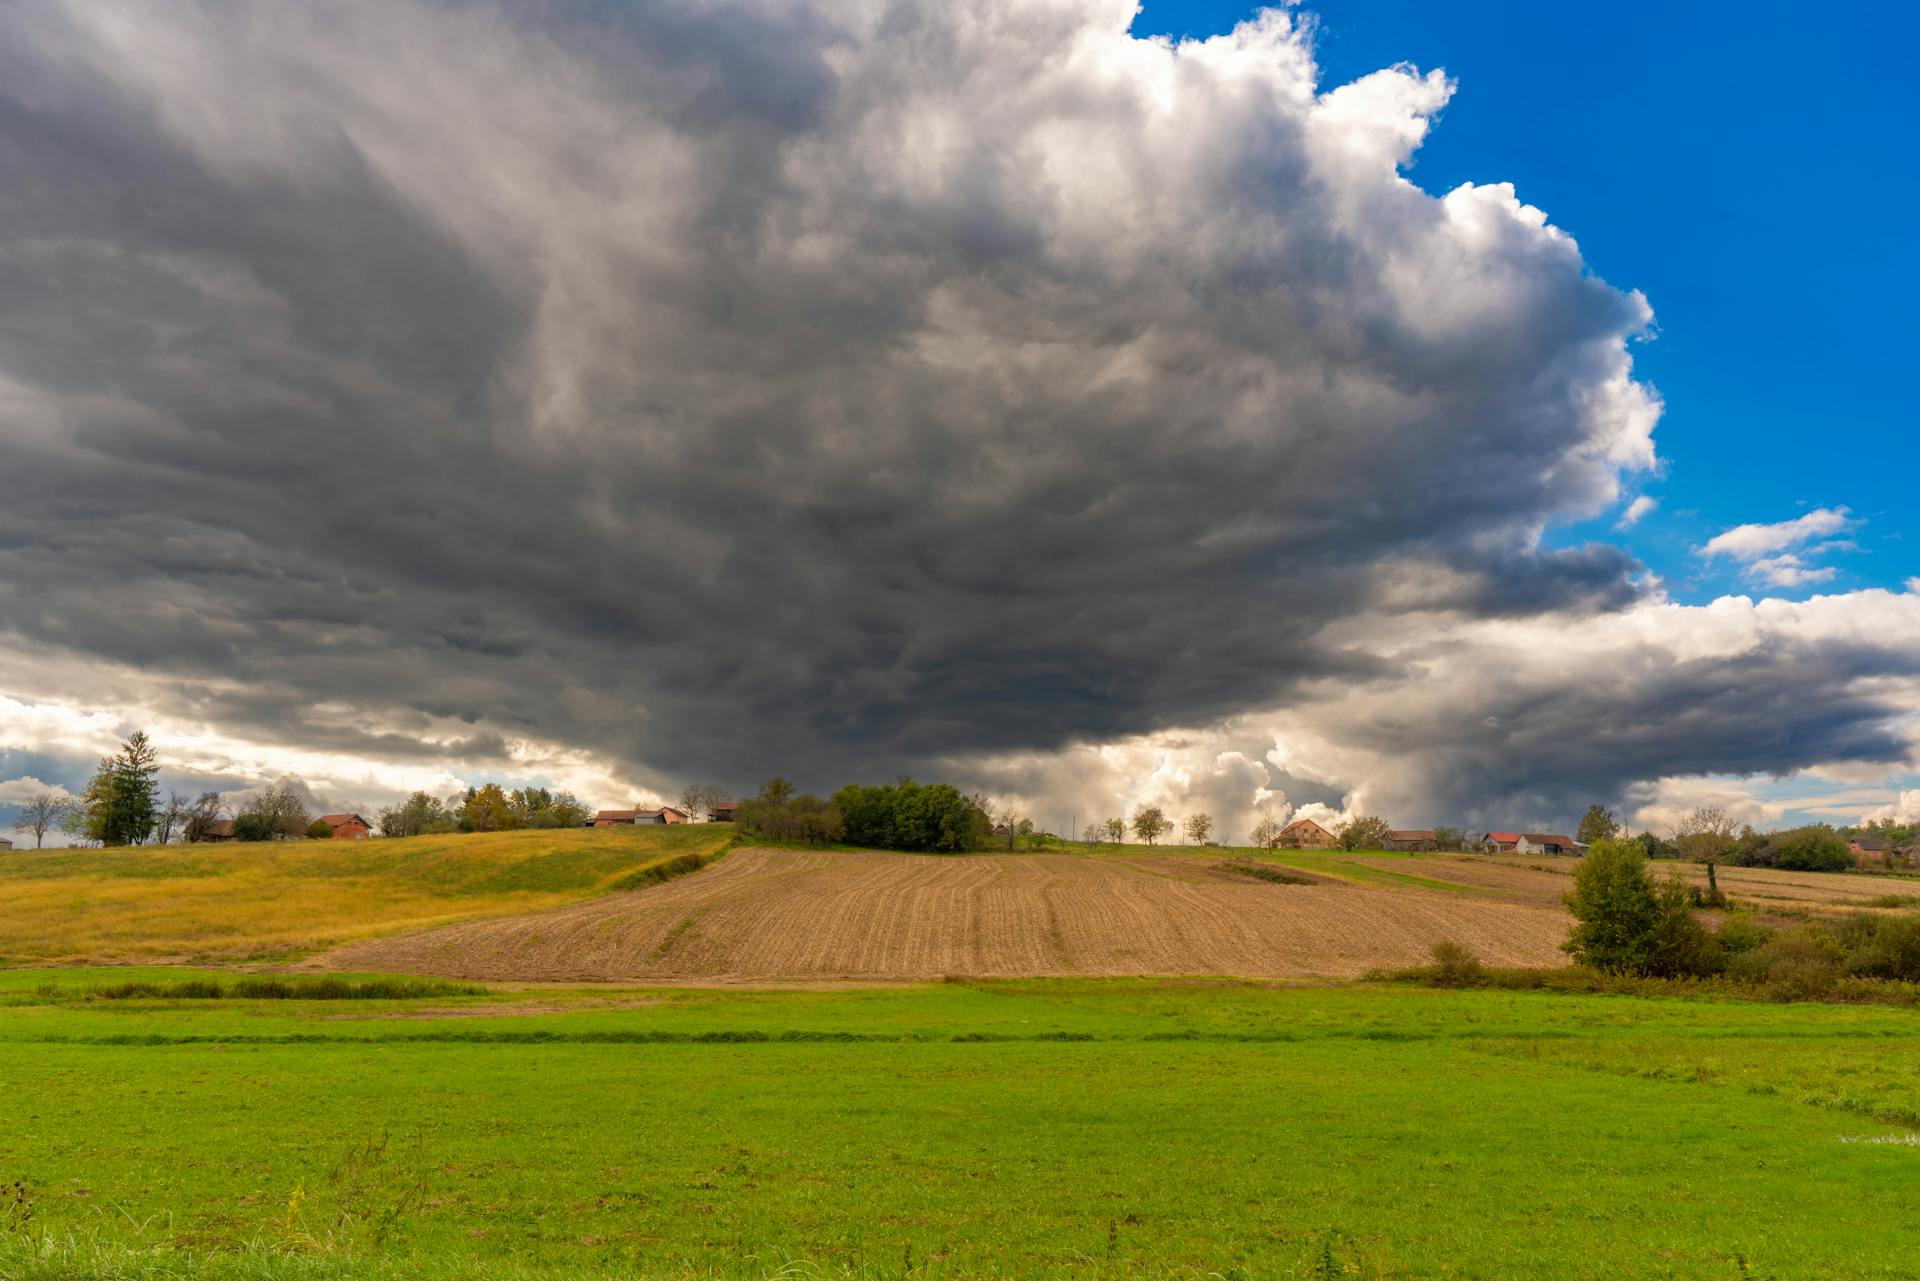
(1023, 1129)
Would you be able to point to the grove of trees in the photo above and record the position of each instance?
(930, 817)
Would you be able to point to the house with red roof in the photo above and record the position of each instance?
(348, 827)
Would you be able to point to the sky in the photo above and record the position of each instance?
(1462, 413)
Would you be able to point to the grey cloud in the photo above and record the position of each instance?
(747, 387)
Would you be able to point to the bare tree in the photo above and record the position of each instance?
(1266, 833)
(173, 815)
(699, 799)
(42, 813)
(1199, 828)
(205, 811)
(1707, 836)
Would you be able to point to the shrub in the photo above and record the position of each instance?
(1889, 948)
(1803, 964)
(319, 830)
(1677, 944)
(1455, 965)
(1740, 933)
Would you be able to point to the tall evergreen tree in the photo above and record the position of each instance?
(120, 799)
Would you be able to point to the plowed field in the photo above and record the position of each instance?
(772, 914)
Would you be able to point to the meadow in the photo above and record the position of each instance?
(1028, 1128)
(270, 900)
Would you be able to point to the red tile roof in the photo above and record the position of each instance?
(1509, 838)
(341, 820)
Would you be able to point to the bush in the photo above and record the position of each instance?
(1678, 945)
(1887, 947)
(1804, 964)
(319, 830)
(1455, 965)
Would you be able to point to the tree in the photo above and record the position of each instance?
(205, 811)
(1117, 831)
(1199, 828)
(172, 815)
(42, 813)
(273, 814)
(1598, 825)
(1449, 838)
(119, 800)
(1266, 833)
(1626, 924)
(417, 814)
(906, 815)
(487, 809)
(699, 799)
(1368, 832)
(1809, 849)
(319, 830)
(1707, 836)
(564, 810)
(1614, 908)
(1150, 824)
(778, 814)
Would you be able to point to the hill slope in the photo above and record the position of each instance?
(272, 899)
(778, 914)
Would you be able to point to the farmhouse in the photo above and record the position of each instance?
(1410, 840)
(1305, 834)
(1501, 842)
(221, 829)
(630, 818)
(1545, 843)
(1866, 845)
(348, 827)
(723, 812)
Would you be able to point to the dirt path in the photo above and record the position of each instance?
(784, 915)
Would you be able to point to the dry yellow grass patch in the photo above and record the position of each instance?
(273, 899)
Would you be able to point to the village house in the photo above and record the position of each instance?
(220, 829)
(348, 827)
(5, 844)
(1546, 843)
(1410, 840)
(1305, 834)
(631, 818)
(723, 812)
(1871, 846)
(1501, 842)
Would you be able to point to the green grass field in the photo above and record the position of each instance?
(271, 900)
(1022, 1129)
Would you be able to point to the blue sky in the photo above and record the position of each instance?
(1747, 169)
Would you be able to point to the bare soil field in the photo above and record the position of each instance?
(1542, 880)
(785, 915)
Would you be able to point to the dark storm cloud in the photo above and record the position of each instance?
(731, 388)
